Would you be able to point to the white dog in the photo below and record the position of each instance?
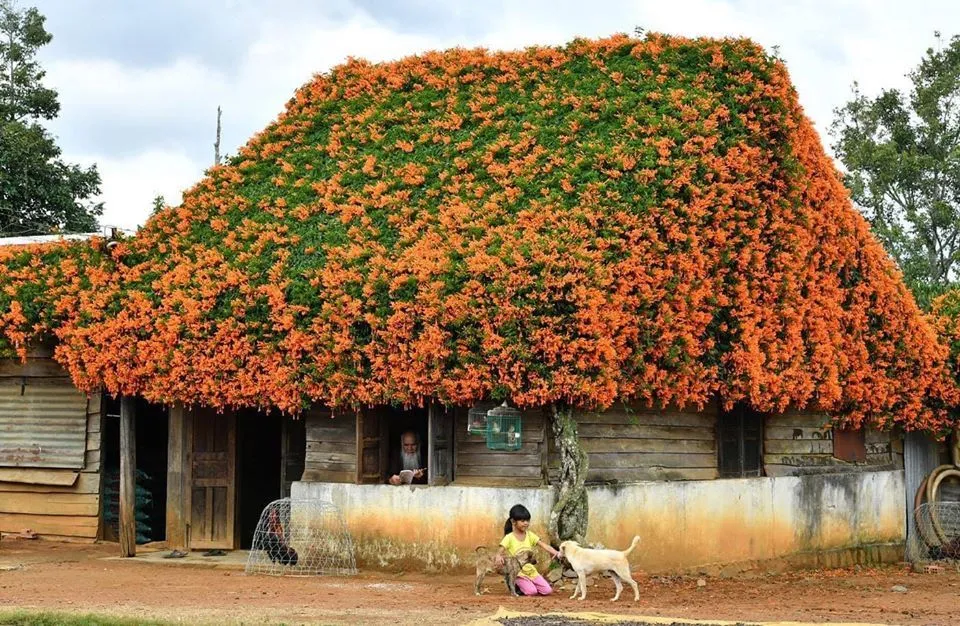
(586, 561)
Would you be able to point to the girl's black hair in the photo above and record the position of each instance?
(518, 513)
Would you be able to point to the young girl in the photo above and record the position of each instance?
(516, 537)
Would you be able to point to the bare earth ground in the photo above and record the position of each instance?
(77, 579)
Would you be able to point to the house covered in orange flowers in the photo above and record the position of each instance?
(645, 232)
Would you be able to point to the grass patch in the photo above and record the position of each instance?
(51, 618)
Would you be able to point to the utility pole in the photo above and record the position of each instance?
(216, 145)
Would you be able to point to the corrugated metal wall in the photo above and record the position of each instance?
(49, 452)
(919, 459)
(42, 424)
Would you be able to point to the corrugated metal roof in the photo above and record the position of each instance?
(42, 425)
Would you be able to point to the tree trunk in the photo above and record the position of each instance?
(568, 519)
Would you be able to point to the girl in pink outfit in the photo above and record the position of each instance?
(517, 537)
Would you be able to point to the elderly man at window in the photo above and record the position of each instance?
(406, 466)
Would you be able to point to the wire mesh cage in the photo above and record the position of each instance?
(477, 418)
(938, 533)
(301, 538)
(504, 428)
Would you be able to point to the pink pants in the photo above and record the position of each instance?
(536, 586)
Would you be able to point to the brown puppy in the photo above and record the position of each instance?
(586, 561)
(486, 563)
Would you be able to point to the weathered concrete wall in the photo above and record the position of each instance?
(697, 523)
(436, 528)
(682, 525)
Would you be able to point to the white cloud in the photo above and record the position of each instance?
(131, 183)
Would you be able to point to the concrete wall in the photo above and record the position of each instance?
(683, 525)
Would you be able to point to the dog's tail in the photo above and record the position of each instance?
(633, 544)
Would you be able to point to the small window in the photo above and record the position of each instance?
(850, 445)
(740, 445)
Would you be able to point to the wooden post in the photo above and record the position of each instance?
(176, 485)
(128, 465)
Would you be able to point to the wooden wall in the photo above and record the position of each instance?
(331, 447)
(633, 443)
(59, 504)
(475, 464)
(801, 442)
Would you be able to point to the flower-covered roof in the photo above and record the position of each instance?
(609, 220)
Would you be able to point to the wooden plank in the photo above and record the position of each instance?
(793, 419)
(324, 476)
(40, 368)
(176, 518)
(644, 432)
(128, 464)
(693, 420)
(503, 458)
(676, 446)
(330, 467)
(83, 483)
(494, 481)
(66, 504)
(797, 433)
(802, 460)
(518, 471)
(93, 441)
(91, 461)
(73, 526)
(95, 407)
(60, 477)
(333, 447)
(476, 447)
(798, 446)
(627, 475)
(653, 459)
(317, 458)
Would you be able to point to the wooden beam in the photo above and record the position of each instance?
(128, 465)
(176, 487)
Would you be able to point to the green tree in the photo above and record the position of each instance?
(39, 193)
(902, 156)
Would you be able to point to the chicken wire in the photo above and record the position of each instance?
(938, 533)
(301, 538)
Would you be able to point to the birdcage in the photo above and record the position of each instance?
(301, 538)
(477, 418)
(504, 428)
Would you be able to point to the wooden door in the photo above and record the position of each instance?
(213, 487)
(439, 446)
(371, 447)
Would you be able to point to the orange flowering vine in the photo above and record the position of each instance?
(612, 219)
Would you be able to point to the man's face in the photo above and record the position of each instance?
(409, 444)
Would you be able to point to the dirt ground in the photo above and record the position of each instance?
(77, 579)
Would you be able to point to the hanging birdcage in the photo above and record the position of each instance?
(477, 418)
(504, 426)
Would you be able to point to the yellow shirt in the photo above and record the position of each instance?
(514, 545)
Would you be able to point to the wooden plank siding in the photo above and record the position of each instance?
(62, 504)
(476, 464)
(801, 442)
(634, 443)
(331, 453)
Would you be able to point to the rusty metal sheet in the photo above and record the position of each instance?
(42, 424)
(849, 445)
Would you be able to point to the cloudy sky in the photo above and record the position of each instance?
(140, 82)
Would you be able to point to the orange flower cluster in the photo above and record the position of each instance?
(608, 220)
